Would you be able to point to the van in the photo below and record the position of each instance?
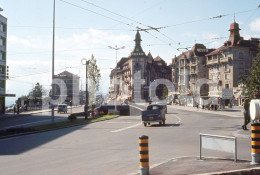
(62, 108)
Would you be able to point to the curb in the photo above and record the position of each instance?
(47, 130)
(236, 172)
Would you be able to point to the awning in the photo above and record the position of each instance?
(7, 95)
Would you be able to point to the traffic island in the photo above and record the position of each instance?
(13, 132)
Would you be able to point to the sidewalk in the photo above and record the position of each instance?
(235, 111)
(192, 165)
(7, 115)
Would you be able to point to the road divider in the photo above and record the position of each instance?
(255, 135)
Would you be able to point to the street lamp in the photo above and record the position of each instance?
(53, 47)
(84, 61)
(116, 48)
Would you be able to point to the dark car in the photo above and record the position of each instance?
(154, 113)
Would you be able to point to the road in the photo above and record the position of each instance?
(35, 119)
(111, 147)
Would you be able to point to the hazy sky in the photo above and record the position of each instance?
(85, 27)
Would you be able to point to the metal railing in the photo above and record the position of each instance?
(218, 143)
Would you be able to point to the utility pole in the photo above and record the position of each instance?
(53, 47)
(116, 48)
(84, 61)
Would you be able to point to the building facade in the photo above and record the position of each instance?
(137, 66)
(72, 84)
(3, 36)
(229, 62)
(187, 69)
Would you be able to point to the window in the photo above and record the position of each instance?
(2, 42)
(1, 55)
(241, 56)
(226, 85)
(241, 65)
(3, 27)
(227, 76)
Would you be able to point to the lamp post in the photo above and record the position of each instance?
(116, 48)
(84, 61)
(53, 47)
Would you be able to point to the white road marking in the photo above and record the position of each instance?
(179, 120)
(119, 122)
(122, 129)
(136, 107)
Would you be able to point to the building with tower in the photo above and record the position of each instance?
(137, 66)
(229, 62)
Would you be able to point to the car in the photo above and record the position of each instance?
(164, 106)
(62, 108)
(154, 113)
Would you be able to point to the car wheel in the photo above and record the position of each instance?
(145, 124)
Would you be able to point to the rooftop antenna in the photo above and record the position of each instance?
(234, 17)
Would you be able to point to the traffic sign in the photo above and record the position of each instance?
(227, 93)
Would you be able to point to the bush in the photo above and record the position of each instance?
(72, 117)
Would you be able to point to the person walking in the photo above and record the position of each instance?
(246, 113)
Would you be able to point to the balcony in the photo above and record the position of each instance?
(192, 71)
(214, 61)
(224, 59)
(227, 70)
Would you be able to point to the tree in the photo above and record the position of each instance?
(37, 91)
(93, 78)
(251, 84)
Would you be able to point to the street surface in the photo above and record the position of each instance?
(111, 147)
(35, 119)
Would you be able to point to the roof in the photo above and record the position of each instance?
(216, 51)
(66, 74)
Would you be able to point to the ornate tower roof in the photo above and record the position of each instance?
(138, 51)
(234, 36)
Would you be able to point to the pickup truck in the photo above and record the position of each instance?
(154, 113)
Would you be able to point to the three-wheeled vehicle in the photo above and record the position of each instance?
(154, 113)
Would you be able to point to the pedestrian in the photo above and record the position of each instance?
(246, 113)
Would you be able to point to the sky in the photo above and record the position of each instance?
(86, 27)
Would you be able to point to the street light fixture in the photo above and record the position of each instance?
(84, 61)
(116, 48)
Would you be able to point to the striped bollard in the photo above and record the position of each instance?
(255, 135)
(144, 155)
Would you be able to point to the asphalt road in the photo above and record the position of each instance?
(111, 147)
(35, 119)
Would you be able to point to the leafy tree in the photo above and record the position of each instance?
(94, 76)
(37, 91)
(251, 84)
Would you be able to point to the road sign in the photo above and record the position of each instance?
(227, 93)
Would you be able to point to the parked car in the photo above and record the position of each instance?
(154, 113)
(62, 108)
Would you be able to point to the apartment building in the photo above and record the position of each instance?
(72, 84)
(187, 69)
(3, 36)
(229, 62)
